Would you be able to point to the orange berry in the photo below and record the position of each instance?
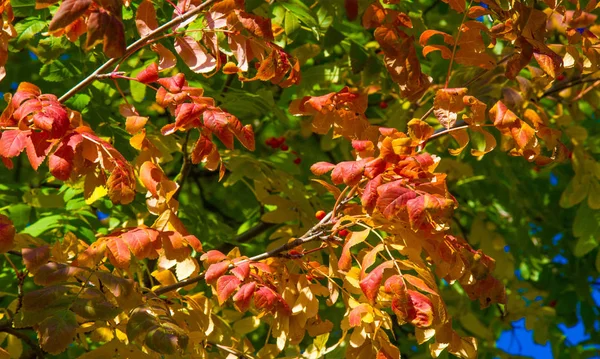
(320, 215)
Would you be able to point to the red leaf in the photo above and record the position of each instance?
(428, 206)
(375, 167)
(149, 74)
(351, 9)
(395, 285)
(7, 234)
(188, 115)
(242, 270)
(217, 122)
(371, 283)
(203, 148)
(37, 148)
(348, 172)
(370, 195)
(320, 168)
(69, 11)
(141, 242)
(13, 142)
(61, 162)
(393, 198)
(243, 296)
(420, 312)
(267, 298)
(215, 271)
(226, 285)
(52, 117)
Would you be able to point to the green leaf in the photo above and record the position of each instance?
(166, 339)
(303, 12)
(138, 90)
(57, 71)
(291, 23)
(358, 57)
(332, 37)
(95, 308)
(23, 8)
(51, 48)
(44, 224)
(26, 30)
(79, 102)
(584, 245)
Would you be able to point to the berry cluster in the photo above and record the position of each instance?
(279, 143)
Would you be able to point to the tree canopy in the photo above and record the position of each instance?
(297, 178)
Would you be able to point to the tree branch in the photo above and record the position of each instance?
(7, 328)
(141, 42)
(316, 232)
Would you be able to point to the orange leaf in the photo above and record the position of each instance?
(118, 253)
(69, 11)
(145, 18)
(447, 104)
(345, 261)
(462, 137)
(194, 55)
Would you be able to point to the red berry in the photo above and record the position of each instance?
(560, 77)
(284, 147)
(320, 215)
(297, 160)
(343, 232)
(552, 303)
(383, 105)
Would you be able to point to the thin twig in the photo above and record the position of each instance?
(568, 85)
(456, 44)
(318, 231)
(141, 42)
(230, 350)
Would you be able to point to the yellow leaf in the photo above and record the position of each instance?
(246, 325)
(98, 193)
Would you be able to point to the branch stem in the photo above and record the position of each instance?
(141, 42)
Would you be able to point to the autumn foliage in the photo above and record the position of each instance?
(373, 233)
